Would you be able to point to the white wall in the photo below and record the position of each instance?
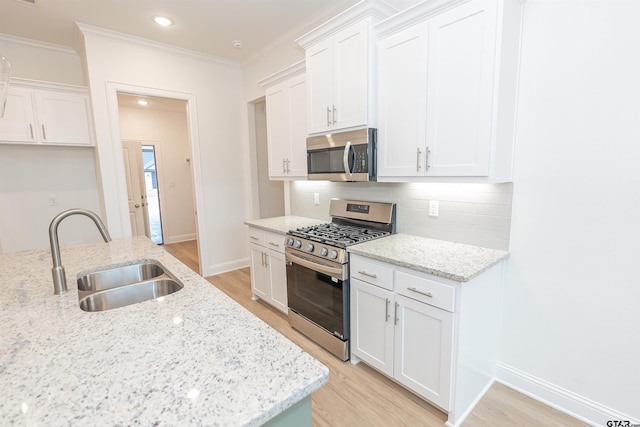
(218, 135)
(168, 132)
(29, 178)
(571, 320)
(475, 214)
(42, 61)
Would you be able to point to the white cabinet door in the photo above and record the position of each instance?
(402, 93)
(460, 89)
(18, 123)
(350, 61)
(297, 166)
(319, 63)
(259, 277)
(287, 128)
(276, 266)
(423, 350)
(277, 101)
(372, 324)
(337, 80)
(63, 118)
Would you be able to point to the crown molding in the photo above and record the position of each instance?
(284, 74)
(39, 84)
(413, 15)
(39, 44)
(376, 10)
(90, 29)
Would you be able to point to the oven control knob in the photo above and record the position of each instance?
(309, 247)
(333, 254)
(290, 241)
(324, 251)
(297, 244)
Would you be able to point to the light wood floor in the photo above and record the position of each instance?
(357, 395)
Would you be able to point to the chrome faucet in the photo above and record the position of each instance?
(59, 277)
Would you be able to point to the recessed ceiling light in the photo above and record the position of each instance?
(238, 44)
(162, 20)
(142, 102)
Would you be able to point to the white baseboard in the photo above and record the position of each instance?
(179, 238)
(214, 269)
(561, 399)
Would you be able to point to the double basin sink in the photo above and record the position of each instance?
(121, 285)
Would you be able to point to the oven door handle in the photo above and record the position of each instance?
(320, 268)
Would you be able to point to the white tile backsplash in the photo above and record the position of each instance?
(476, 214)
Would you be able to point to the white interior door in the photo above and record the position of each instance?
(132, 152)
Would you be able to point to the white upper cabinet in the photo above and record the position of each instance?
(338, 83)
(46, 116)
(286, 101)
(340, 80)
(18, 123)
(447, 91)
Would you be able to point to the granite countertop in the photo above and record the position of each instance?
(194, 358)
(455, 261)
(282, 224)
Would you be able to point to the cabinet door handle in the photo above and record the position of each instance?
(364, 273)
(44, 134)
(288, 165)
(426, 294)
(328, 119)
(31, 130)
(335, 114)
(266, 259)
(395, 315)
(418, 152)
(262, 260)
(427, 159)
(284, 166)
(386, 310)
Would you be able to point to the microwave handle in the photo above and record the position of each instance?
(345, 158)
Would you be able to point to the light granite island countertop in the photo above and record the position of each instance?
(455, 261)
(194, 357)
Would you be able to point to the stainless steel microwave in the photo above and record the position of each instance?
(343, 156)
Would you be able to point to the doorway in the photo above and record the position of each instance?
(159, 129)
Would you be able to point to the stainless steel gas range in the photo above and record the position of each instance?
(318, 269)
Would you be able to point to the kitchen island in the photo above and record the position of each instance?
(194, 357)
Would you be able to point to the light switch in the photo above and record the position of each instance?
(434, 207)
(53, 200)
(316, 198)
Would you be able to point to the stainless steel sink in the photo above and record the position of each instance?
(120, 285)
(129, 294)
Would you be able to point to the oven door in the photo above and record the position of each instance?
(319, 291)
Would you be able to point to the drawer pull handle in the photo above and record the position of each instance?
(364, 273)
(253, 238)
(426, 294)
(274, 244)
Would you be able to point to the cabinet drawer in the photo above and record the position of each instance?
(371, 272)
(425, 290)
(256, 236)
(274, 241)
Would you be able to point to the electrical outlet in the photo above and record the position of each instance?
(53, 200)
(316, 198)
(434, 207)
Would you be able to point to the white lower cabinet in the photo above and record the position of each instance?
(436, 337)
(268, 268)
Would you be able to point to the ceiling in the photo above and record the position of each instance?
(205, 26)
